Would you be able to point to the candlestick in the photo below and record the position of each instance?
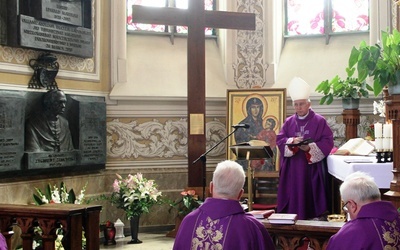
(380, 157)
(389, 156)
(378, 129)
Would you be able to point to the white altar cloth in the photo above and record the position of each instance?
(382, 172)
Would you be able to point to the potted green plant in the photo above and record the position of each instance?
(381, 62)
(188, 202)
(349, 89)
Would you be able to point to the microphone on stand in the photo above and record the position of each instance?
(241, 125)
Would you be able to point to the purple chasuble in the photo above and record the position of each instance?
(3, 243)
(302, 185)
(221, 224)
(377, 226)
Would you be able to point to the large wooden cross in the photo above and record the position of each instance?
(196, 19)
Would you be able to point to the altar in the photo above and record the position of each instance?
(340, 166)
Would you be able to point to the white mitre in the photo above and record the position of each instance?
(299, 89)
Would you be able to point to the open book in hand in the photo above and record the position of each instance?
(304, 142)
(356, 146)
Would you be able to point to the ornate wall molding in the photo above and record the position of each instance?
(250, 67)
(140, 132)
(395, 12)
(157, 139)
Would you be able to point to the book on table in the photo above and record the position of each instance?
(356, 146)
(262, 214)
(282, 218)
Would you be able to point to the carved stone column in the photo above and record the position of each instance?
(392, 106)
(351, 118)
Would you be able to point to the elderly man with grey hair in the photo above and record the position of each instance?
(374, 224)
(220, 222)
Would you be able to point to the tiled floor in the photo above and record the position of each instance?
(151, 241)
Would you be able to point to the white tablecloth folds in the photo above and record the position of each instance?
(341, 166)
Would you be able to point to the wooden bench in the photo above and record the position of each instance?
(73, 217)
(289, 237)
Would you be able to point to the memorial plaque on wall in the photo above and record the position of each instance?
(46, 35)
(51, 25)
(3, 22)
(43, 160)
(60, 11)
(12, 117)
(27, 149)
(92, 128)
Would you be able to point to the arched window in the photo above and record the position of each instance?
(327, 17)
(182, 4)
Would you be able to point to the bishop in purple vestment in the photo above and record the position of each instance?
(374, 224)
(220, 222)
(302, 177)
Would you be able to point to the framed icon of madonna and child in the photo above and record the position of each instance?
(260, 113)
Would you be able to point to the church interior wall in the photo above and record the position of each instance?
(78, 76)
(157, 105)
(314, 60)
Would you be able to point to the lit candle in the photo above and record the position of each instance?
(378, 144)
(386, 143)
(378, 130)
(386, 130)
(391, 137)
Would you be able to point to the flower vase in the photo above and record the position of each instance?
(134, 223)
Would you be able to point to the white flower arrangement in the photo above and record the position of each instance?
(379, 107)
(134, 194)
(53, 194)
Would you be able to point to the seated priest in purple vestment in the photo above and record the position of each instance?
(220, 222)
(373, 224)
(302, 186)
(3, 243)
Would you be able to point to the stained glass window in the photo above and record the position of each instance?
(182, 4)
(311, 17)
(142, 26)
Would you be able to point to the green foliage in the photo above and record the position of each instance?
(187, 203)
(352, 86)
(134, 194)
(343, 88)
(53, 194)
(381, 62)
